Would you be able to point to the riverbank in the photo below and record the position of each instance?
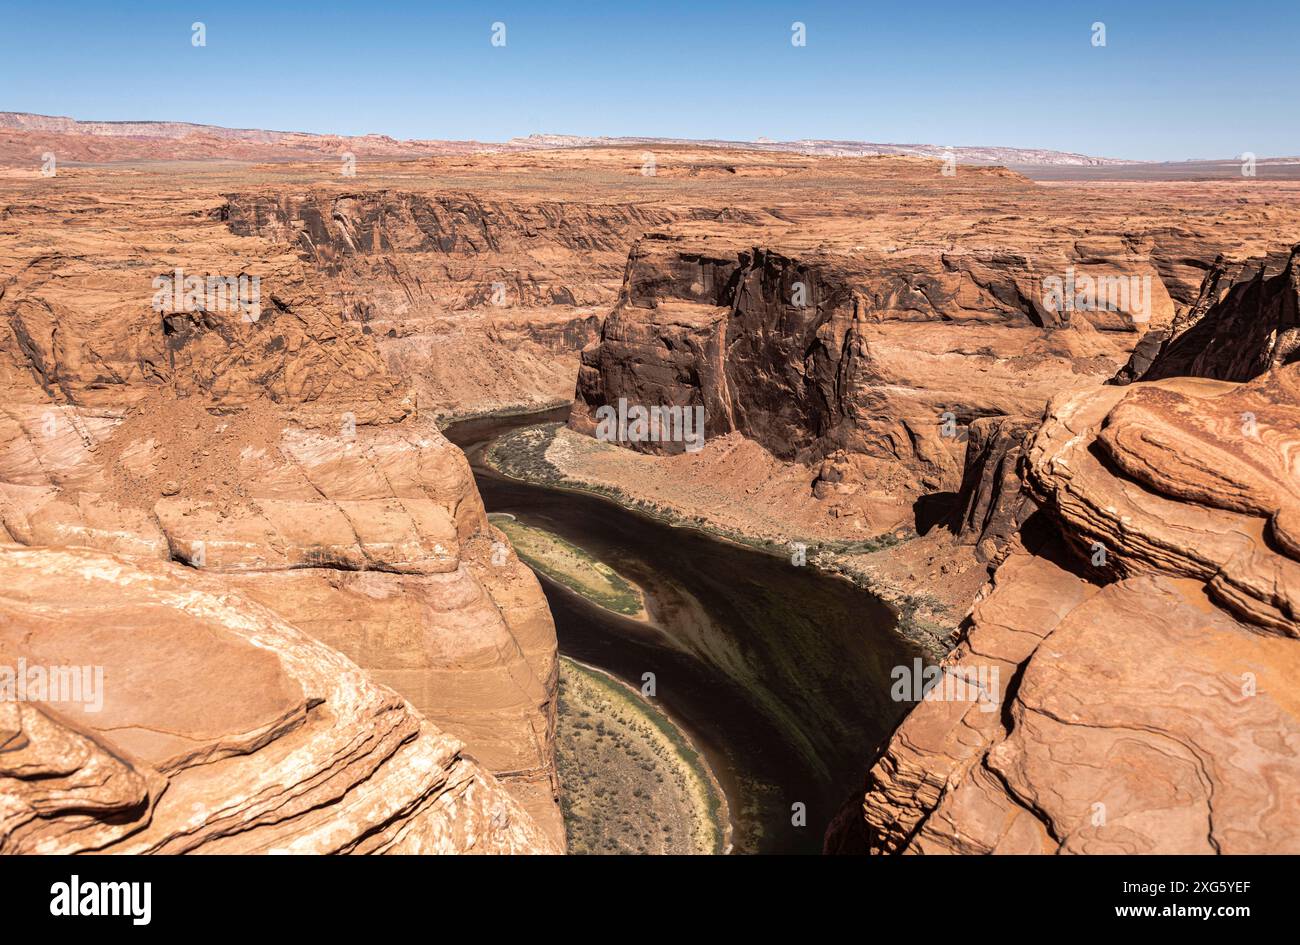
(567, 564)
(631, 780)
(929, 582)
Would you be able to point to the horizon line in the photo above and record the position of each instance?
(740, 142)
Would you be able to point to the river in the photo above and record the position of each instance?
(779, 674)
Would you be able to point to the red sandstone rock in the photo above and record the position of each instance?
(1245, 321)
(1148, 714)
(293, 458)
(220, 729)
(991, 503)
(279, 459)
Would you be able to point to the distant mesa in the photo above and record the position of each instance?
(101, 141)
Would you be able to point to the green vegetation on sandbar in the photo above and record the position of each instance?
(631, 782)
(569, 565)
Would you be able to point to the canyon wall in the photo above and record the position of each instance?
(270, 450)
(483, 303)
(1143, 625)
(867, 366)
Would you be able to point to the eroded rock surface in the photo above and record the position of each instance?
(482, 299)
(272, 452)
(843, 334)
(1144, 703)
(291, 461)
(207, 724)
(1245, 321)
(991, 505)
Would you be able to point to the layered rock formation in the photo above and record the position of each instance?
(1144, 656)
(1142, 633)
(481, 278)
(875, 364)
(861, 341)
(483, 303)
(270, 450)
(991, 505)
(177, 717)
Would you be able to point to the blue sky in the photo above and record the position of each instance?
(1175, 79)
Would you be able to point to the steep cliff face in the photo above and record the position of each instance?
(875, 362)
(1143, 654)
(482, 300)
(1245, 321)
(991, 505)
(452, 247)
(873, 306)
(273, 453)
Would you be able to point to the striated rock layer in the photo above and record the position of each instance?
(215, 727)
(482, 299)
(273, 453)
(1245, 320)
(864, 345)
(1145, 655)
(876, 371)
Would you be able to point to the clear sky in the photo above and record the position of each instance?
(1175, 80)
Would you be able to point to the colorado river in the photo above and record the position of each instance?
(778, 673)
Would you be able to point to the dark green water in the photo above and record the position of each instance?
(780, 674)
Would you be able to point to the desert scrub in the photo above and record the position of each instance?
(631, 782)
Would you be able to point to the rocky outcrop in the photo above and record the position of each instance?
(1186, 477)
(1188, 747)
(874, 362)
(991, 505)
(151, 710)
(273, 454)
(1143, 657)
